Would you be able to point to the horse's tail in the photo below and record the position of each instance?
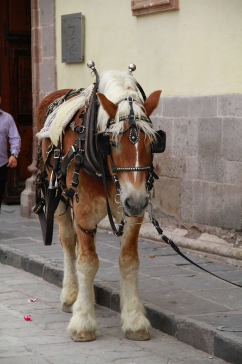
(41, 109)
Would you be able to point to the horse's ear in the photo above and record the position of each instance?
(152, 101)
(108, 106)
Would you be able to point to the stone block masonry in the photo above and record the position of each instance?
(43, 78)
(201, 169)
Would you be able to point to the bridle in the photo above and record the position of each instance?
(133, 130)
(104, 147)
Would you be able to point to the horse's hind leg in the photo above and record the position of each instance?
(67, 238)
(135, 324)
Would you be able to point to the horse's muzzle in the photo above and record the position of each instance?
(134, 206)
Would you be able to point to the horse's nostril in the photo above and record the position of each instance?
(146, 202)
(128, 202)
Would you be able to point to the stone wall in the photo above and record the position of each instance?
(43, 78)
(43, 49)
(201, 169)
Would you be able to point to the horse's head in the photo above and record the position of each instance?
(131, 136)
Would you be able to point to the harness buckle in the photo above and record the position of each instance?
(39, 206)
(53, 183)
(56, 153)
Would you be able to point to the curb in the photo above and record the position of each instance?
(199, 335)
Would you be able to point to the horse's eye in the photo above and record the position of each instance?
(114, 144)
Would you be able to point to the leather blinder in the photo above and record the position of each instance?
(159, 145)
(103, 144)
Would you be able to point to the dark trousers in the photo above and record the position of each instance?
(3, 181)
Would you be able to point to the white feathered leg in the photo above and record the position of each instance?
(135, 324)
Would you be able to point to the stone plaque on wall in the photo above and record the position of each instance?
(72, 36)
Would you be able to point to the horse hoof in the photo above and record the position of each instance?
(66, 308)
(84, 336)
(140, 335)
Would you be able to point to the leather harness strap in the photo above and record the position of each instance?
(92, 232)
(119, 231)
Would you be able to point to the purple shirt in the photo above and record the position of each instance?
(8, 130)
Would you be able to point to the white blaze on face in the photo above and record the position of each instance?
(136, 162)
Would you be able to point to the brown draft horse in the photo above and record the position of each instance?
(77, 235)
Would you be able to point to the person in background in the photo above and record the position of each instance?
(8, 132)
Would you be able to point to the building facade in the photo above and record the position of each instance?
(189, 49)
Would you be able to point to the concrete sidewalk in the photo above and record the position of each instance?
(180, 300)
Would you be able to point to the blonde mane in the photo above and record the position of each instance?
(117, 86)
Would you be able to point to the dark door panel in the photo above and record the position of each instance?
(16, 84)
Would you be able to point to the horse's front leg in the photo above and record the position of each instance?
(67, 238)
(83, 322)
(135, 324)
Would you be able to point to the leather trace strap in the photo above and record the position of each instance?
(178, 251)
(117, 232)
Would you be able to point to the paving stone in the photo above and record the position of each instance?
(183, 302)
(215, 267)
(109, 274)
(45, 340)
(164, 271)
(231, 297)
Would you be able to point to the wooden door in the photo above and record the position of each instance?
(15, 84)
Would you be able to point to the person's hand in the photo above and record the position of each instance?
(12, 161)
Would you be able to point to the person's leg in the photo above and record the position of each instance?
(3, 180)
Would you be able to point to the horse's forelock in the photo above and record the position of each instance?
(116, 86)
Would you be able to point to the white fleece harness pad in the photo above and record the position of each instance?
(57, 121)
